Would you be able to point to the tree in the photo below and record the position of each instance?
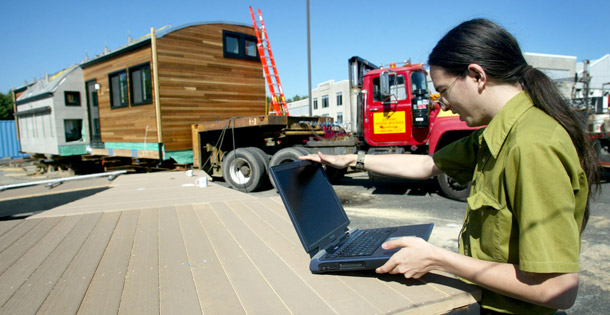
(295, 98)
(6, 106)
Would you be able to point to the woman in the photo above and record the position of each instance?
(531, 169)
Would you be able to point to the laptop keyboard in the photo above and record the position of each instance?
(364, 244)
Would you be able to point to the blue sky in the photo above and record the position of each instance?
(47, 36)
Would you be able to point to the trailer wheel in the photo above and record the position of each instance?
(452, 189)
(265, 158)
(243, 169)
(334, 174)
(285, 155)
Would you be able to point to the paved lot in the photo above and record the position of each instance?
(403, 202)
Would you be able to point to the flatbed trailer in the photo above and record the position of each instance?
(242, 149)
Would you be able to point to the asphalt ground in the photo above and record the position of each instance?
(368, 205)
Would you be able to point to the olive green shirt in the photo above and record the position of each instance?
(527, 199)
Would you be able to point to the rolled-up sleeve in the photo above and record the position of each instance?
(459, 159)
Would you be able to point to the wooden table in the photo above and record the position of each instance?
(230, 256)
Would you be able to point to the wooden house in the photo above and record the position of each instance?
(143, 97)
(51, 115)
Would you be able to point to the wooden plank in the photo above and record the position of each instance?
(44, 266)
(69, 291)
(9, 238)
(335, 293)
(104, 293)
(6, 226)
(457, 292)
(17, 273)
(253, 290)
(23, 244)
(278, 219)
(141, 291)
(414, 292)
(296, 294)
(177, 291)
(367, 285)
(215, 291)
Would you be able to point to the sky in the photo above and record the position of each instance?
(48, 36)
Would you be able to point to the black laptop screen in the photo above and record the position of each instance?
(315, 209)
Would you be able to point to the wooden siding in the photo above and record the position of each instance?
(126, 124)
(197, 83)
(17, 94)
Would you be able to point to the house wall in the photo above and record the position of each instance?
(62, 112)
(38, 132)
(45, 132)
(197, 83)
(124, 124)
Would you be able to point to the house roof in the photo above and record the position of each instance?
(44, 87)
(145, 40)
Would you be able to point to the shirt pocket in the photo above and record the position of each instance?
(485, 226)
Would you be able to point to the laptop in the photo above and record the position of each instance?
(322, 224)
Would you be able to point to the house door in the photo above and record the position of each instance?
(94, 115)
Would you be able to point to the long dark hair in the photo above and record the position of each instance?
(485, 43)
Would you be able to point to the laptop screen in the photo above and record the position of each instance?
(311, 201)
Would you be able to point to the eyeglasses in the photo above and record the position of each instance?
(443, 104)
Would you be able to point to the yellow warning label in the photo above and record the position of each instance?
(392, 123)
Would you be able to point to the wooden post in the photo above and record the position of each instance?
(15, 116)
(155, 69)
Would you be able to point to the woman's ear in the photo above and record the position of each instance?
(478, 75)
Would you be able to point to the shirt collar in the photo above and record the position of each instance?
(499, 127)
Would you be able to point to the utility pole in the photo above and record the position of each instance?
(309, 61)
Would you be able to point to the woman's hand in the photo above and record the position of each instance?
(415, 258)
(336, 161)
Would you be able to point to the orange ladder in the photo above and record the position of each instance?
(273, 79)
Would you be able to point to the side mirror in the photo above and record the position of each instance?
(384, 85)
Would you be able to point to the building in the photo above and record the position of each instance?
(560, 69)
(51, 114)
(144, 97)
(599, 70)
(330, 99)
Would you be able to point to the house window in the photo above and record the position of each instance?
(339, 117)
(118, 89)
(325, 101)
(315, 103)
(250, 46)
(73, 129)
(239, 46)
(72, 98)
(140, 84)
(339, 98)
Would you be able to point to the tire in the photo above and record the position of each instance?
(265, 158)
(452, 189)
(285, 155)
(334, 174)
(243, 169)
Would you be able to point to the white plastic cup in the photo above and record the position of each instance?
(202, 182)
(189, 173)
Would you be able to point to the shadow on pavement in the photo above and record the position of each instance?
(22, 207)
